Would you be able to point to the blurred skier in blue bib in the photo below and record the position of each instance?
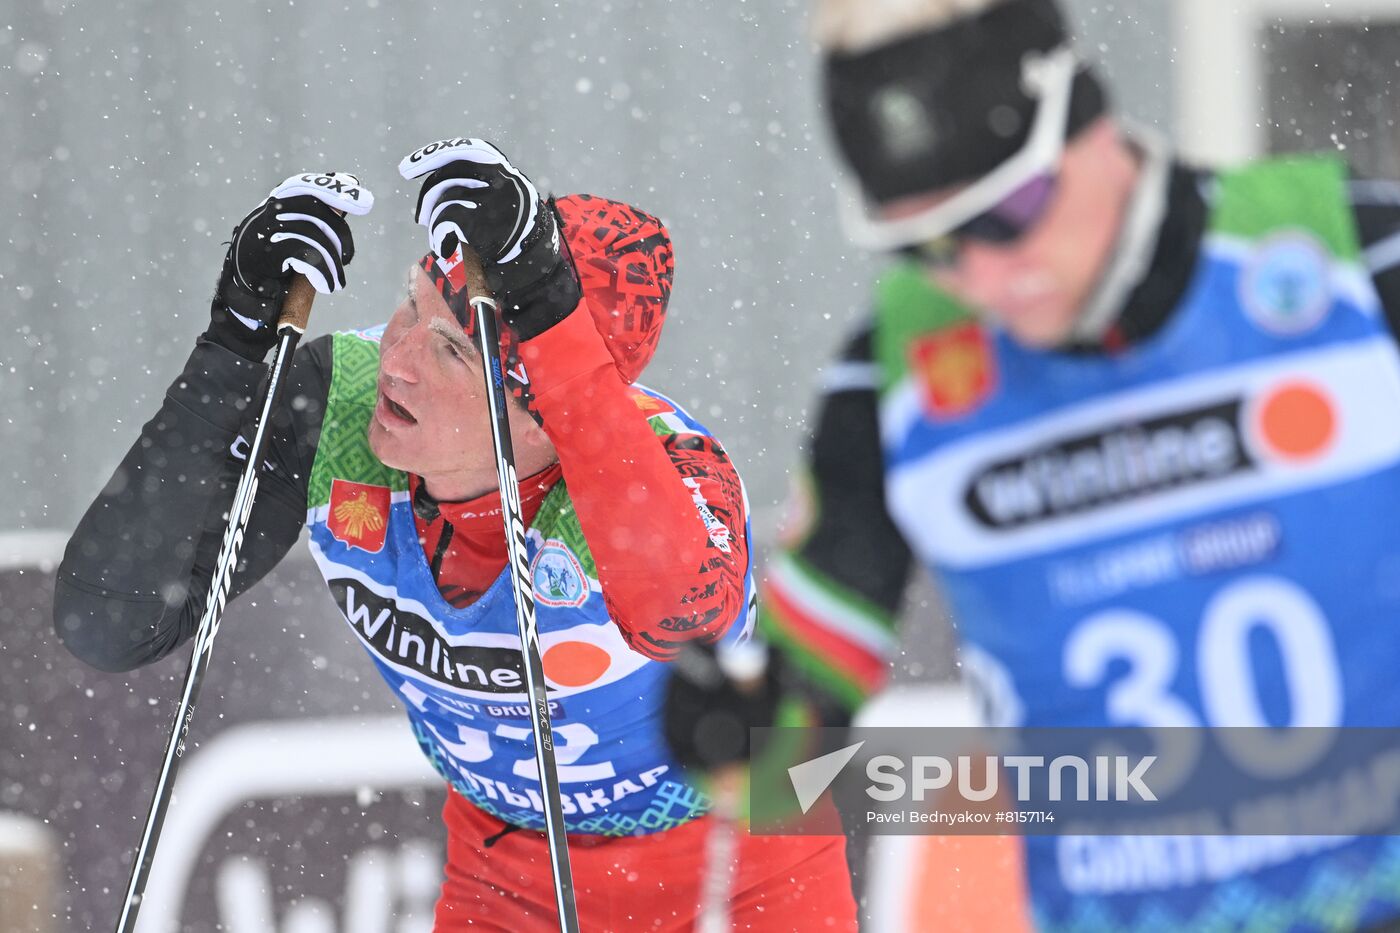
(1138, 420)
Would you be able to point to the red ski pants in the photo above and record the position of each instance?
(647, 883)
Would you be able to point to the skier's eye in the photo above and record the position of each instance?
(454, 340)
(456, 352)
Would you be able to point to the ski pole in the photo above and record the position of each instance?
(296, 309)
(721, 852)
(488, 343)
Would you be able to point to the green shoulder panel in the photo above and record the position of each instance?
(556, 519)
(343, 452)
(908, 305)
(1298, 192)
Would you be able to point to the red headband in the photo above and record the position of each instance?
(625, 265)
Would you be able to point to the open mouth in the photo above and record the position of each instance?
(392, 412)
(399, 410)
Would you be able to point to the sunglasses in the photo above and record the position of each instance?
(1004, 222)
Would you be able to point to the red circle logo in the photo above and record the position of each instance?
(575, 663)
(1297, 421)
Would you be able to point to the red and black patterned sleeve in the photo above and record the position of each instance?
(660, 505)
(715, 596)
(664, 516)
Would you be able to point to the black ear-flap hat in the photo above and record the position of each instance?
(946, 107)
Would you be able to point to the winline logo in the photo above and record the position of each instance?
(1292, 422)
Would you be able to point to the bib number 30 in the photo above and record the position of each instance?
(1229, 689)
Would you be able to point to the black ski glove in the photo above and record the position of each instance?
(471, 193)
(714, 695)
(300, 228)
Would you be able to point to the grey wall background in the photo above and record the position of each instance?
(137, 132)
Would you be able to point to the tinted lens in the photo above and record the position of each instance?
(989, 228)
(942, 251)
(1013, 215)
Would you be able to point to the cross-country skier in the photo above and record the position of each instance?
(1139, 421)
(638, 536)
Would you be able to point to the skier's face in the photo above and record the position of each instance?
(431, 414)
(1036, 286)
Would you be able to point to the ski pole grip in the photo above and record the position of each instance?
(296, 309)
(475, 277)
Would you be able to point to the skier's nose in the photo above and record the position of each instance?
(399, 361)
(978, 274)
